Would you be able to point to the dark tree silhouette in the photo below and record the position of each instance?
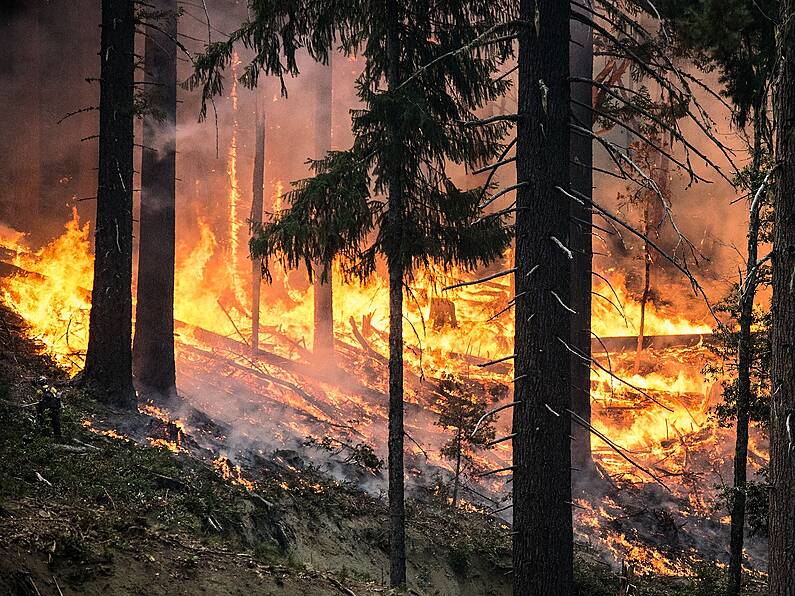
(108, 366)
(153, 346)
(781, 565)
(581, 245)
(543, 542)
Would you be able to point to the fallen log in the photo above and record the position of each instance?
(630, 342)
(365, 345)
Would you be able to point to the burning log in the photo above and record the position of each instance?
(364, 343)
(10, 270)
(630, 342)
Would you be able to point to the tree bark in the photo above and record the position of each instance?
(744, 364)
(582, 246)
(397, 510)
(781, 564)
(257, 205)
(153, 346)
(543, 543)
(323, 340)
(647, 262)
(109, 357)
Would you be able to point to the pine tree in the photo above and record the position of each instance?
(108, 366)
(153, 345)
(543, 541)
(781, 560)
(461, 407)
(404, 138)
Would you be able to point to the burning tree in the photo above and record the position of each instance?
(462, 405)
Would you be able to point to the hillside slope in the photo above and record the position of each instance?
(128, 504)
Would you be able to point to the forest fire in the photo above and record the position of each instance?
(655, 408)
(477, 297)
(56, 307)
(51, 288)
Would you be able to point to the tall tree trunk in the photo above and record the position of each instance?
(747, 295)
(543, 543)
(257, 201)
(647, 262)
(397, 510)
(652, 218)
(153, 346)
(109, 357)
(581, 244)
(781, 564)
(323, 340)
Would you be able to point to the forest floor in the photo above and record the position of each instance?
(100, 512)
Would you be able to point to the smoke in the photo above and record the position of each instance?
(50, 50)
(711, 221)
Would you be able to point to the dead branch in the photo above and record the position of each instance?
(497, 471)
(365, 345)
(590, 360)
(497, 361)
(491, 413)
(481, 280)
(578, 420)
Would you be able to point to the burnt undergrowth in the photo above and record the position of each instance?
(110, 500)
